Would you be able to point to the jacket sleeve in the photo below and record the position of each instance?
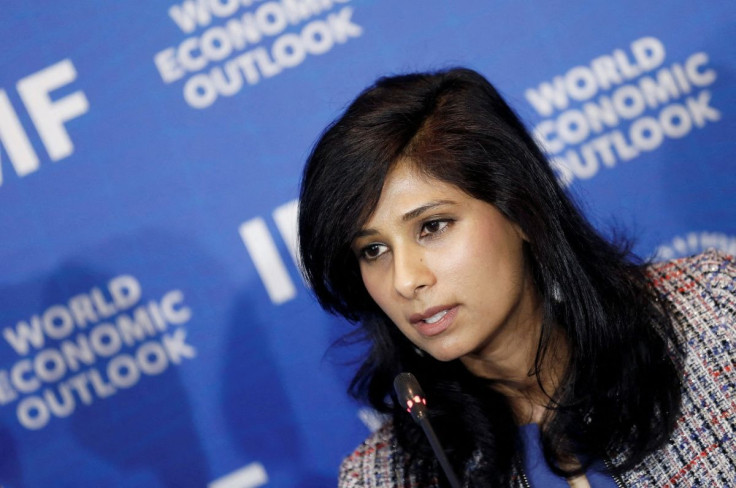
(371, 464)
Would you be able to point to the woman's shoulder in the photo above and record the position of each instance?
(371, 464)
(708, 262)
(701, 290)
(710, 275)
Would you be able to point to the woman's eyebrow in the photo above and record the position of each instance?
(412, 214)
(364, 233)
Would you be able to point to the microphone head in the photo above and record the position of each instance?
(410, 395)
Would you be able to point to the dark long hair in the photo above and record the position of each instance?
(619, 398)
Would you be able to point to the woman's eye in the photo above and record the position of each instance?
(433, 227)
(372, 251)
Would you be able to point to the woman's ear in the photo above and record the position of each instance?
(520, 232)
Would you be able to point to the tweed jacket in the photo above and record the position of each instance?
(702, 449)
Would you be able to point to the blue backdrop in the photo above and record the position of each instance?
(155, 330)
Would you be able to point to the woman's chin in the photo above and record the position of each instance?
(445, 354)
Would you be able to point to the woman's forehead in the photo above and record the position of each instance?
(408, 192)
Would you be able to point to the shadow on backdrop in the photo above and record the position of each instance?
(257, 408)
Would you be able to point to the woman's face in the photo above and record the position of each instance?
(446, 268)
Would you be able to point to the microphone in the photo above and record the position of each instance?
(411, 396)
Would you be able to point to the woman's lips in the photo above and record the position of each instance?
(440, 318)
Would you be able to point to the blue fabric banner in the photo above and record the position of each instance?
(155, 329)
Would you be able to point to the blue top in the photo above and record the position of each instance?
(540, 475)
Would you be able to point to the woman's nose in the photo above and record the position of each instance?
(411, 273)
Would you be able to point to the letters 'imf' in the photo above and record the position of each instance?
(48, 117)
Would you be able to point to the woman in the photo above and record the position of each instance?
(429, 217)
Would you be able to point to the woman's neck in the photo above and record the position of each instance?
(510, 365)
